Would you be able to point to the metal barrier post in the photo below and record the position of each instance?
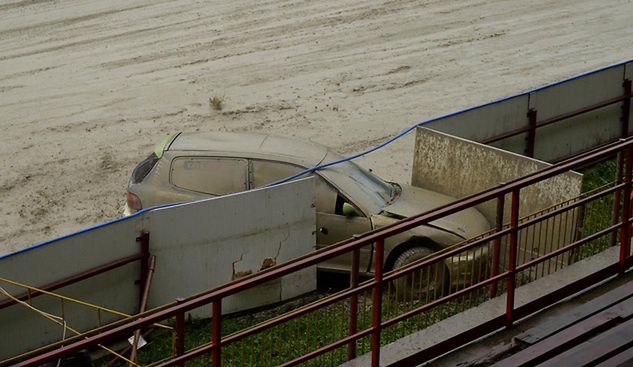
(496, 257)
(531, 136)
(353, 304)
(216, 332)
(143, 240)
(512, 261)
(377, 303)
(625, 230)
(626, 108)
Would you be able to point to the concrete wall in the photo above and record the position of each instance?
(558, 140)
(198, 246)
(459, 168)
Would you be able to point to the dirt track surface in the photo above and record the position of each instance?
(88, 87)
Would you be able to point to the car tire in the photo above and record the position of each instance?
(425, 284)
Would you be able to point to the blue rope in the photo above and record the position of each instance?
(347, 159)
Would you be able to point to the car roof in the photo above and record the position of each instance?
(251, 146)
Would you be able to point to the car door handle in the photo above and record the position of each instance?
(323, 230)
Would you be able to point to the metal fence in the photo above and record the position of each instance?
(372, 312)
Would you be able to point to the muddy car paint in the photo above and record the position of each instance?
(374, 203)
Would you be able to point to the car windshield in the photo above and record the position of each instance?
(363, 187)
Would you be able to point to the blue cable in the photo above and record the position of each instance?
(347, 159)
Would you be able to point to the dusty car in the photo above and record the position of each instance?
(349, 199)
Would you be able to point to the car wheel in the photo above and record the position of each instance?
(425, 284)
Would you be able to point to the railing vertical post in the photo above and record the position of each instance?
(626, 108)
(496, 256)
(377, 303)
(617, 196)
(216, 332)
(512, 261)
(531, 137)
(625, 230)
(353, 304)
(179, 334)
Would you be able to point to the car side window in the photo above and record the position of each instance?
(210, 175)
(265, 172)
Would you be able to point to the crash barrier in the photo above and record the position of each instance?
(555, 121)
(460, 167)
(372, 312)
(104, 274)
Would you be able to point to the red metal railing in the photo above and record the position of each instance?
(507, 243)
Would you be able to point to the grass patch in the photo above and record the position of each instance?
(598, 213)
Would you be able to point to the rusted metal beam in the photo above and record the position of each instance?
(626, 108)
(143, 241)
(145, 295)
(216, 332)
(531, 136)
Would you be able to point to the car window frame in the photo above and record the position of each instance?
(217, 157)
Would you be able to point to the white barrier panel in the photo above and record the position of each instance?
(565, 138)
(23, 329)
(205, 244)
(558, 140)
(198, 246)
(459, 168)
(490, 120)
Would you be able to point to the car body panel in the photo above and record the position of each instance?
(375, 203)
(333, 228)
(415, 200)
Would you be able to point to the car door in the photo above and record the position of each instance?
(332, 226)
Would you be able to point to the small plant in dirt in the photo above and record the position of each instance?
(216, 102)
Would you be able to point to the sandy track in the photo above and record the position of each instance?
(87, 87)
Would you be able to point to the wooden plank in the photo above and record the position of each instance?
(597, 349)
(572, 336)
(624, 359)
(559, 322)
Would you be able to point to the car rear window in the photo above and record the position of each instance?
(210, 175)
(143, 168)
